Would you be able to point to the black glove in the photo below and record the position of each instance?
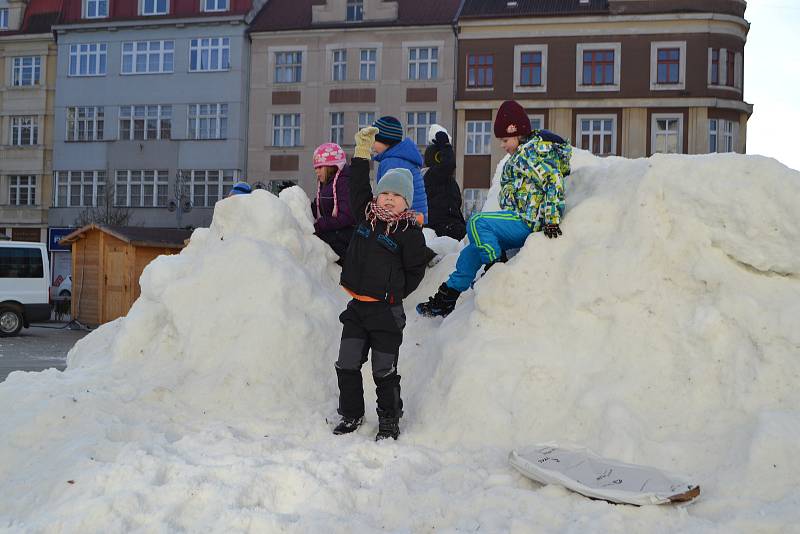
(552, 231)
(441, 139)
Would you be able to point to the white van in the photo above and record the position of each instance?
(24, 285)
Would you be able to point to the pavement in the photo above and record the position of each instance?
(42, 346)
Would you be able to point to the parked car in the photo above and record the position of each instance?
(64, 289)
(24, 285)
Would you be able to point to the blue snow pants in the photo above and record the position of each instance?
(489, 234)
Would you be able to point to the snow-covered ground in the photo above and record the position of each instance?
(662, 329)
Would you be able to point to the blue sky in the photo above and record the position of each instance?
(772, 79)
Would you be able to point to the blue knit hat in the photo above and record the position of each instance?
(241, 188)
(398, 181)
(390, 131)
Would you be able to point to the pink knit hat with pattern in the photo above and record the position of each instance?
(330, 155)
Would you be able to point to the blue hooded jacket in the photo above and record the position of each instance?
(405, 155)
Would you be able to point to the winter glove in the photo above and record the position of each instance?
(441, 139)
(365, 137)
(552, 231)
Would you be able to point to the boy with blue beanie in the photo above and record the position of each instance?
(385, 262)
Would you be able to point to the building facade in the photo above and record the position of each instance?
(27, 87)
(150, 110)
(617, 77)
(322, 70)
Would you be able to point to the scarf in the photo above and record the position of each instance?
(375, 213)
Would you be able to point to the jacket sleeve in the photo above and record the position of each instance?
(360, 189)
(345, 216)
(448, 164)
(416, 256)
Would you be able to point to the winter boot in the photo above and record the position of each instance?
(388, 427)
(441, 304)
(347, 425)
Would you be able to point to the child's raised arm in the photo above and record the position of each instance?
(360, 189)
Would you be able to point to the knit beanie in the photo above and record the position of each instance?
(436, 128)
(511, 121)
(330, 155)
(398, 181)
(241, 188)
(390, 131)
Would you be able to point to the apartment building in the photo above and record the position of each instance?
(617, 77)
(320, 70)
(27, 86)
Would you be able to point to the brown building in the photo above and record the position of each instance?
(621, 77)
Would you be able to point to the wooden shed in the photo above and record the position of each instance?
(107, 262)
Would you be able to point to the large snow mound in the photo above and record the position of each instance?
(660, 329)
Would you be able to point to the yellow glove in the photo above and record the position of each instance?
(365, 137)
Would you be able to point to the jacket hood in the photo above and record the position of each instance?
(405, 149)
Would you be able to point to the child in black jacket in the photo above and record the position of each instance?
(444, 195)
(385, 262)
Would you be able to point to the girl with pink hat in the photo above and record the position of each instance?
(334, 221)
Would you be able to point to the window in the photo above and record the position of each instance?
(667, 134)
(598, 67)
(730, 69)
(713, 135)
(714, 75)
(286, 129)
(79, 188)
(365, 118)
(21, 262)
(85, 123)
(724, 68)
(355, 11)
(537, 122)
(205, 187)
(141, 189)
(418, 124)
(722, 135)
(147, 57)
(530, 68)
(474, 199)
(139, 123)
(339, 73)
(87, 59)
(22, 190)
(669, 60)
(208, 121)
(209, 54)
(668, 66)
(96, 9)
(288, 67)
(479, 138)
(367, 66)
(337, 127)
(4, 18)
(423, 63)
(480, 70)
(215, 5)
(154, 7)
(26, 71)
(598, 134)
(530, 73)
(24, 131)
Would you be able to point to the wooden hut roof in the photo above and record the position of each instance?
(137, 235)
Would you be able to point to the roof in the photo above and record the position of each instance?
(280, 15)
(527, 8)
(125, 10)
(137, 235)
(39, 17)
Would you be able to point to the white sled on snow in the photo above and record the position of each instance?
(584, 472)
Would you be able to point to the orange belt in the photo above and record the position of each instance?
(362, 298)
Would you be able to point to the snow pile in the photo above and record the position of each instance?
(661, 329)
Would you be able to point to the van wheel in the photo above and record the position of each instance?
(10, 320)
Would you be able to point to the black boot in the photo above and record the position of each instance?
(347, 425)
(441, 304)
(388, 427)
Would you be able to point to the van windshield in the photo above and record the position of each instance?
(19, 262)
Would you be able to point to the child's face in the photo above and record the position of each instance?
(509, 144)
(379, 147)
(392, 202)
(323, 173)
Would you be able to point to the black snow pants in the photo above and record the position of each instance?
(377, 326)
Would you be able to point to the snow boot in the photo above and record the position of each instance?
(388, 427)
(347, 425)
(441, 304)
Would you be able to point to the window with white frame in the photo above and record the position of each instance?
(368, 64)
(713, 135)
(724, 68)
(154, 7)
(3, 18)
(337, 127)
(598, 66)
(537, 122)
(141, 189)
(140, 123)
(205, 187)
(96, 9)
(423, 63)
(666, 133)
(354, 11)
(215, 5)
(288, 67)
(79, 188)
(24, 131)
(22, 190)
(365, 119)
(474, 199)
(208, 121)
(286, 129)
(530, 68)
(667, 65)
(479, 138)
(88, 59)
(209, 54)
(728, 138)
(26, 71)
(598, 134)
(339, 65)
(85, 123)
(148, 57)
(417, 125)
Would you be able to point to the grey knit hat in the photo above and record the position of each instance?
(398, 181)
